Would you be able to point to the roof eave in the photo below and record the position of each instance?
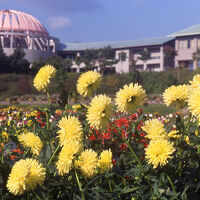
(183, 34)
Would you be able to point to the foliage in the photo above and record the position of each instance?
(152, 82)
(98, 58)
(15, 63)
(144, 55)
(130, 174)
(169, 55)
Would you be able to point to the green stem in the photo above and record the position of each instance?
(172, 185)
(54, 153)
(180, 164)
(2, 156)
(109, 183)
(48, 110)
(37, 197)
(26, 152)
(127, 142)
(79, 185)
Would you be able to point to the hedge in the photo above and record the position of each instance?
(152, 82)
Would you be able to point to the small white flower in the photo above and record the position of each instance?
(170, 115)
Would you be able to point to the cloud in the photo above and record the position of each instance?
(58, 22)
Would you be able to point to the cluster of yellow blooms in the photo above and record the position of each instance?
(71, 140)
(99, 112)
(160, 148)
(43, 77)
(25, 176)
(88, 83)
(176, 95)
(182, 95)
(100, 109)
(130, 97)
(32, 141)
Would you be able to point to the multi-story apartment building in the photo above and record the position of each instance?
(131, 48)
(185, 42)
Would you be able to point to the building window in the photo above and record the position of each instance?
(189, 44)
(198, 43)
(122, 56)
(183, 44)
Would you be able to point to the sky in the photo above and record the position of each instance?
(109, 20)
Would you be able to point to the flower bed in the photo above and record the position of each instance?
(95, 152)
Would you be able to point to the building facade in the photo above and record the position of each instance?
(131, 49)
(21, 30)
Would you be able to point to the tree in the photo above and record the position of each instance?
(78, 61)
(3, 60)
(105, 57)
(196, 57)
(144, 56)
(68, 64)
(99, 58)
(169, 55)
(17, 63)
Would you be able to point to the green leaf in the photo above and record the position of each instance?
(128, 190)
(156, 190)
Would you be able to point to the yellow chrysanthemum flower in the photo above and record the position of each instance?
(195, 83)
(194, 102)
(105, 161)
(66, 156)
(87, 163)
(76, 107)
(99, 112)
(187, 139)
(31, 141)
(25, 176)
(70, 130)
(158, 152)
(154, 129)
(173, 134)
(176, 95)
(130, 97)
(5, 136)
(88, 82)
(42, 78)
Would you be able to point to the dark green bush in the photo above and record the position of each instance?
(152, 82)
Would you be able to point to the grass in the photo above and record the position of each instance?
(159, 108)
(150, 108)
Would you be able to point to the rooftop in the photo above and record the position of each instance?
(114, 44)
(12, 20)
(192, 30)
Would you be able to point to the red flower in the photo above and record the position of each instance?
(133, 117)
(142, 134)
(13, 157)
(122, 122)
(114, 161)
(140, 111)
(123, 146)
(145, 145)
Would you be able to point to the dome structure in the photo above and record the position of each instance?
(11, 20)
(21, 30)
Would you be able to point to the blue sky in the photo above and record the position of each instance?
(109, 20)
